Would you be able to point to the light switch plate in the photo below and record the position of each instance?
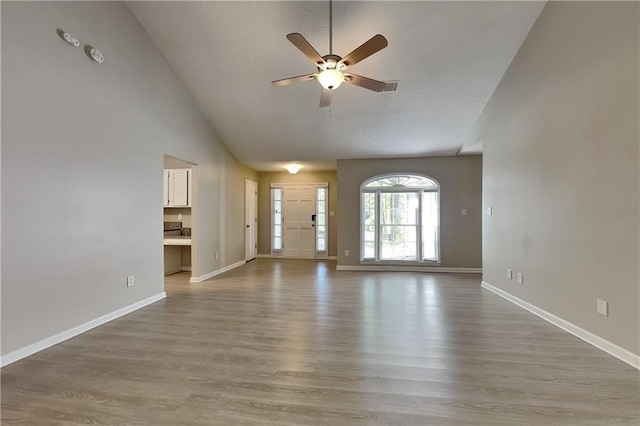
(520, 278)
(602, 307)
(464, 212)
(509, 274)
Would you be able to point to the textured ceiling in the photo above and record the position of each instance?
(447, 56)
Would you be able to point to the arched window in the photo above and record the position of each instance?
(400, 218)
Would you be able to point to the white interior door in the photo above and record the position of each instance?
(299, 206)
(251, 220)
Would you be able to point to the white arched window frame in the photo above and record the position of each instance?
(400, 219)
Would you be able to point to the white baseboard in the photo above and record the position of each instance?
(611, 348)
(174, 271)
(216, 272)
(402, 268)
(72, 332)
(270, 256)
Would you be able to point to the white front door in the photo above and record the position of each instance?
(250, 219)
(299, 207)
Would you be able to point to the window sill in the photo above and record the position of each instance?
(402, 262)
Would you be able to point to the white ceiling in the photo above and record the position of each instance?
(447, 56)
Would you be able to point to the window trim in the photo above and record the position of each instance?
(377, 190)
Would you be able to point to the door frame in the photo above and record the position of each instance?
(250, 220)
(282, 186)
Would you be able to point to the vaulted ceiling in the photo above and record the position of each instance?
(448, 58)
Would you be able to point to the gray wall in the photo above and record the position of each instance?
(460, 181)
(561, 169)
(264, 203)
(82, 156)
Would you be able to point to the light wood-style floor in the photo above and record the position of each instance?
(291, 342)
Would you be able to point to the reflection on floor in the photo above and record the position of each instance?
(291, 342)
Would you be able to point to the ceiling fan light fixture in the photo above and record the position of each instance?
(293, 168)
(330, 79)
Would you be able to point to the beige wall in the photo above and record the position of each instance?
(233, 211)
(460, 181)
(83, 150)
(264, 203)
(561, 169)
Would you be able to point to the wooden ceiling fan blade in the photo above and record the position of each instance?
(291, 80)
(305, 47)
(366, 49)
(367, 83)
(325, 98)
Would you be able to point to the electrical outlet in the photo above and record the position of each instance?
(217, 256)
(490, 211)
(130, 281)
(464, 212)
(509, 274)
(179, 216)
(346, 252)
(520, 278)
(602, 307)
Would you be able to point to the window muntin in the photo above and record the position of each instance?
(401, 181)
(400, 218)
(276, 219)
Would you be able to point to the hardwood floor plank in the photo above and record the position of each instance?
(287, 342)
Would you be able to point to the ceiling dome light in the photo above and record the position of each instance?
(330, 79)
(293, 168)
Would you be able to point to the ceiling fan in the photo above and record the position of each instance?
(332, 69)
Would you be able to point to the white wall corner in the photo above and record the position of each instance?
(31, 349)
(611, 348)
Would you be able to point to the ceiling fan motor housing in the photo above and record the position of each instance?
(331, 62)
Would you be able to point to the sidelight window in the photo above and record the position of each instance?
(276, 218)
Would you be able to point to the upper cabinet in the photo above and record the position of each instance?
(177, 188)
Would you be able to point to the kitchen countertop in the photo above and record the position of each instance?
(178, 240)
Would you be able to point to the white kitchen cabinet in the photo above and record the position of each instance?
(177, 188)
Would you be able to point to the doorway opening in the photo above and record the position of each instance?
(179, 218)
